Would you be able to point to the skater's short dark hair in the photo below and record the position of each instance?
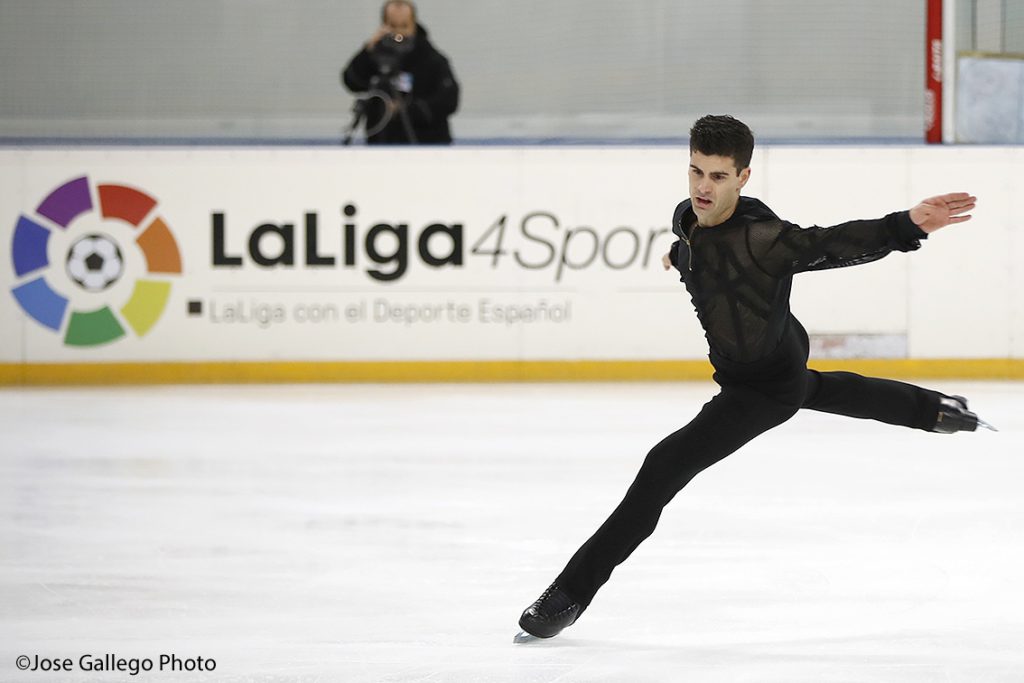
(723, 136)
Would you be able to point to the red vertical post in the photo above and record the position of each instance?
(933, 73)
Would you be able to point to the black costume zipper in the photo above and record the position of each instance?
(689, 250)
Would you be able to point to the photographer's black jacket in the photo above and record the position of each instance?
(739, 273)
(434, 96)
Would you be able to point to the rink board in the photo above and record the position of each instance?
(466, 263)
(55, 374)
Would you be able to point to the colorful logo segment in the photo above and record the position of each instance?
(94, 262)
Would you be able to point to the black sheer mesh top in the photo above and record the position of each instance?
(739, 273)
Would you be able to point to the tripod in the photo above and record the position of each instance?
(392, 100)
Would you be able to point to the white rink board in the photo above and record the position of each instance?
(569, 299)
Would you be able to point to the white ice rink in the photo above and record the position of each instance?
(395, 533)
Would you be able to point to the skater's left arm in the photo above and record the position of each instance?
(782, 248)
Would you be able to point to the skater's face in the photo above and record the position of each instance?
(715, 185)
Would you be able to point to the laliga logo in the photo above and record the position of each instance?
(70, 263)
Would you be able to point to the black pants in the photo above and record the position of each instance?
(753, 399)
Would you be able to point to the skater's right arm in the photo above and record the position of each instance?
(672, 257)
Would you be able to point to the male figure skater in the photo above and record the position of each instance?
(737, 260)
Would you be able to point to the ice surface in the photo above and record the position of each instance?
(395, 533)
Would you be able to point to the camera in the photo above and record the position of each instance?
(390, 50)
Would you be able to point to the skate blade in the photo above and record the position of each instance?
(524, 637)
(986, 425)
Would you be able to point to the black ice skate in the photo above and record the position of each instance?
(954, 417)
(552, 612)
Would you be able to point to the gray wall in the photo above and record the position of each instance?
(578, 68)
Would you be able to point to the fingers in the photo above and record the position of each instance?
(959, 219)
(954, 203)
(958, 200)
(961, 206)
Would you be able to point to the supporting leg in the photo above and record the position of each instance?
(731, 419)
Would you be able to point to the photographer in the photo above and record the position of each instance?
(410, 88)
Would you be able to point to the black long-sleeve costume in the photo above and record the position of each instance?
(739, 275)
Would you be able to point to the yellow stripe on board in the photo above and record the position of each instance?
(56, 374)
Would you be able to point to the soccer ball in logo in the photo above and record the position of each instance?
(121, 273)
(95, 262)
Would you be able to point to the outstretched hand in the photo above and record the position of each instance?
(942, 210)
